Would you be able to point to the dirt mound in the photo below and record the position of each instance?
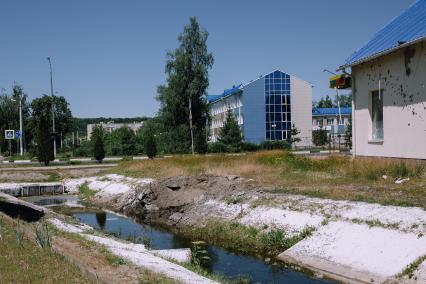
(160, 199)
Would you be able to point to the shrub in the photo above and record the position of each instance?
(200, 141)
(217, 147)
(150, 146)
(250, 147)
(275, 145)
(44, 142)
(320, 137)
(230, 134)
(98, 144)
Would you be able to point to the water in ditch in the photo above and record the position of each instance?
(228, 264)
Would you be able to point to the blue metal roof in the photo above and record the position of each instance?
(331, 111)
(408, 27)
(226, 92)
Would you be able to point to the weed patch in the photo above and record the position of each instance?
(247, 239)
(53, 177)
(411, 268)
(85, 190)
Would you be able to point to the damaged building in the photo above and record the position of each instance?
(389, 89)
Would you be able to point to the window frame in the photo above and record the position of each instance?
(373, 136)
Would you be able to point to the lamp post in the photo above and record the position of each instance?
(53, 108)
(273, 127)
(21, 148)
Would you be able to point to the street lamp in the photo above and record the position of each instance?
(20, 125)
(273, 126)
(53, 107)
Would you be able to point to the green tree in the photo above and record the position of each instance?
(344, 100)
(294, 132)
(150, 146)
(319, 137)
(44, 141)
(42, 107)
(187, 81)
(201, 140)
(230, 133)
(325, 103)
(98, 143)
(9, 115)
(128, 141)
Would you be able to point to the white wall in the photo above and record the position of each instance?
(218, 111)
(301, 109)
(404, 104)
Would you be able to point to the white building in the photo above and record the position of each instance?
(266, 108)
(110, 126)
(334, 120)
(389, 89)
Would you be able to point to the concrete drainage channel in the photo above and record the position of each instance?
(162, 245)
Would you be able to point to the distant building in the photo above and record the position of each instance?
(266, 108)
(333, 120)
(110, 126)
(389, 89)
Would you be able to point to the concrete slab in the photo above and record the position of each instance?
(181, 255)
(357, 252)
(293, 222)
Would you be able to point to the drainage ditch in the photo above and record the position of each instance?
(230, 265)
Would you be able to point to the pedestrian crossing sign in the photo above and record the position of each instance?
(9, 134)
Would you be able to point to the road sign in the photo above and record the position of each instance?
(9, 134)
(18, 134)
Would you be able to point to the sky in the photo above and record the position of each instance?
(109, 56)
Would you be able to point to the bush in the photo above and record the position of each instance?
(98, 144)
(275, 145)
(230, 134)
(201, 141)
(217, 147)
(250, 147)
(150, 146)
(320, 137)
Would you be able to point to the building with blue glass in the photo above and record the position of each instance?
(266, 108)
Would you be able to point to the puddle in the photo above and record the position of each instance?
(231, 265)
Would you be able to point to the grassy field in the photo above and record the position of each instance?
(336, 177)
(24, 262)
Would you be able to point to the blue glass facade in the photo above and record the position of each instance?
(277, 106)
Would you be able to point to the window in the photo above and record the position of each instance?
(340, 121)
(277, 105)
(330, 121)
(377, 114)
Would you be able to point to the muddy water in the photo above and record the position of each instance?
(231, 265)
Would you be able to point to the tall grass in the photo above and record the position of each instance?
(335, 177)
(247, 239)
(374, 169)
(361, 168)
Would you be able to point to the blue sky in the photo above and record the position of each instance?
(109, 56)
